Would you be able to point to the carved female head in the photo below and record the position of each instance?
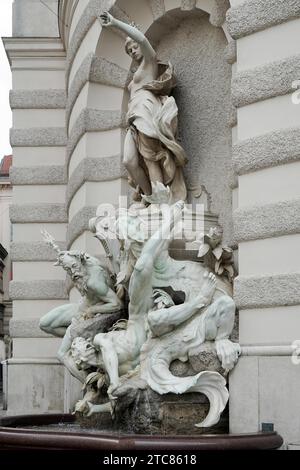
(133, 49)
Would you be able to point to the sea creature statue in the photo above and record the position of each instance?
(160, 331)
(97, 310)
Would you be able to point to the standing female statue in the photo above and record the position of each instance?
(151, 153)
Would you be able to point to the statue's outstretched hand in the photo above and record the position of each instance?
(106, 19)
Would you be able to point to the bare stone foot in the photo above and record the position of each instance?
(208, 287)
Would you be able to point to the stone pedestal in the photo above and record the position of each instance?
(140, 410)
(40, 383)
(168, 414)
(193, 224)
(151, 413)
(269, 384)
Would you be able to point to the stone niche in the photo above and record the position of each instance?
(197, 51)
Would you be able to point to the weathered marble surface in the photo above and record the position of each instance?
(151, 151)
(98, 309)
(180, 317)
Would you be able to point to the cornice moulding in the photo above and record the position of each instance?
(33, 47)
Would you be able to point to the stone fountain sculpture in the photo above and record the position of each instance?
(148, 324)
(176, 310)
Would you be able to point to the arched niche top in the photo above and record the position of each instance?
(145, 12)
(155, 18)
(108, 44)
(216, 9)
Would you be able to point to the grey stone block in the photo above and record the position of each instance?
(91, 120)
(35, 387)
(94, 169)
(38, 175)
(256, 15)
(37, 99)
(158, 8)
(265, 82)
(36, 251)
(267, 291)
(187, 5)
(97, 70)
(24, 213)
(244, 372)
(38, 137)
(233, 180)
(218, 14)
(275, 148)
(139, 410)
(93, 10)
(78, 82)
(230, 52)
(108, 73)
(80, 223)
(27, 328)
(32, 18)
(269, 220)
(232, 116)
(279, 383)
(37, 290)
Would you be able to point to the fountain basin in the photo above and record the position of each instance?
(61, 432)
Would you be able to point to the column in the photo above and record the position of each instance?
(264, 387)
(38, 139)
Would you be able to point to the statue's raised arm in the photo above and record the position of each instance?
(107, 20)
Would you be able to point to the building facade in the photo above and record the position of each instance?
(5, 263)
(236, 63)
(5, 240)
